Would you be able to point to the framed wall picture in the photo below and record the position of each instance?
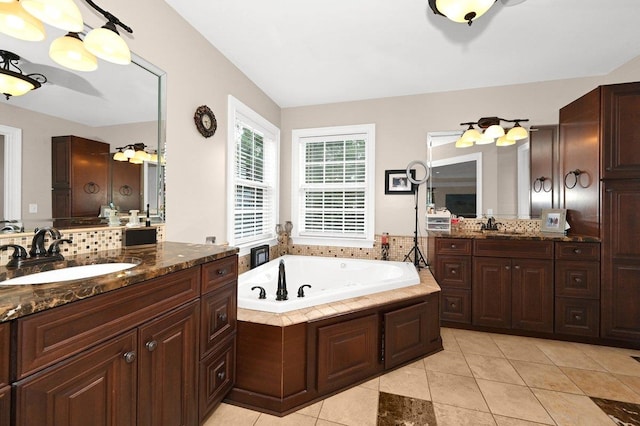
(553, 220)
(396, 182)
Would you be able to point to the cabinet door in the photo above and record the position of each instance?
(491, 292)
(621, 261)
(577, 316)
(347, 352)
(621, 130)
(97, 387)
(532, 294)
(453, 271)
(217, 376)
(126, 185)
(4, 353)
(168, 348)
(407, 333)
(5, 406)
(456, 305)
(218, 316)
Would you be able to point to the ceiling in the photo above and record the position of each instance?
(314, 52)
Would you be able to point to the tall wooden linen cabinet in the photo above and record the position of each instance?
(600, 171)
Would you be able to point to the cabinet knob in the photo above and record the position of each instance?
(129, 357)
(577, 251)
(453, 272)
(151, 346)
(578, 280)
(507, 267)
(222, 317)
(222, 271)
(578, 317)
(221, 375)
(453, 246)
(453, 305)
(516, 267)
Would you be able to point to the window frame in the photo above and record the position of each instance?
(237, 110)
(297, 173)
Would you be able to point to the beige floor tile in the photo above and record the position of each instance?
(632, 381)
(570, 410)
(357, 406)
(477, 343)
(510, 421)
(565, 354)
(492, 368)
(418, 364)
(448, 362)
(520, 348)
(456, 390)
(406, 381)
(312, 410)
(371, 384)
(612, 359)
(544, 376)
(449, 342)
(322, 422)
(601, 385)
(227, 414)
(505, 399)
(293, 419)
(448, 415)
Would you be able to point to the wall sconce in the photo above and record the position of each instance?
(134, 153)
(23, 20)
(12, 81)
(493, 132)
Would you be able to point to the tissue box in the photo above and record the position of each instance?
(139, 236)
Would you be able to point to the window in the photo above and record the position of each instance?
(333, 185)
(252, 177)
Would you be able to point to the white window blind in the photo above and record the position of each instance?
(333, 185)
(254, 178)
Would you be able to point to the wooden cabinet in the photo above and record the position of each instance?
(599, 135)
(452, 270)
(5, 389)
(217, 332)
(410, 332)
(577, 288)
(516, 291)
(543, 190)
(80, 176)
(621, 261)
(126, 185)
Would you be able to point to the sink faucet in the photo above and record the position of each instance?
(37, 254)
(281, 293)
(491, 225)
(37, 244)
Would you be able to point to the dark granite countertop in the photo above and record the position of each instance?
(514, 235)
(154, 261)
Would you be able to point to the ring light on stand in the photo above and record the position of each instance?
(418, 258)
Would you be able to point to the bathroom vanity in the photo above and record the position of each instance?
(151, 345)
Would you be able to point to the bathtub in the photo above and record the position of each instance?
(331, 279)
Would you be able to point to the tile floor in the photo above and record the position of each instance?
(482, 379)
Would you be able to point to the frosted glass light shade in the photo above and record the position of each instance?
(494, 131)
(505, 141)
(142, 156)
(14, 86)
(460, 143)
(518, 132)
(69, 52)
(129, 153)
(471, 135)
(461, 10)
(135, 160)
(107, 44)
(16, 22)
(63, 14)
(119, 156)
(485, 140)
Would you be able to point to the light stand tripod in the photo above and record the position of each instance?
(418, 258)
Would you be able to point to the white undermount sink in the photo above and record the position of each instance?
(71, 273)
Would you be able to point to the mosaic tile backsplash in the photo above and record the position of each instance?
(85, 240)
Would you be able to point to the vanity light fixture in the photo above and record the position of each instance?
(13, 82)
(69, 51)
(493, 132)
(106, 42)
(133, 153)
(461, 10)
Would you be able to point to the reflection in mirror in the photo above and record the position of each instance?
(456, 183)
(502, 188)
(116, 104)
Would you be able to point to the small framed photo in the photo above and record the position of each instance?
(553, 220)
(397, 182)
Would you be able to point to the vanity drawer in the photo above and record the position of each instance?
(453, 271)
(217, 376)
(459, 246)
(528, 249)
(578, 279)
(577, 251)
(218, 273)
(455, 305)
(218, 316)
(579, 317)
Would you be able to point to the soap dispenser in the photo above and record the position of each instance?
(133, 219)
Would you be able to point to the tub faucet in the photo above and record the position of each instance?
(281, 293)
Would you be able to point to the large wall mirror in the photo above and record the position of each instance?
(118, 105)
(479, 180)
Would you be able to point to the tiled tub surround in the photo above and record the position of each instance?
(85, 240)
(155, 261)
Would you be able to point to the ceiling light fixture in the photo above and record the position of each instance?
(461, 10)
(63, 14)
(493, 132)
(106, 42)
(69, 51)
(16, 22)
(12, 80)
